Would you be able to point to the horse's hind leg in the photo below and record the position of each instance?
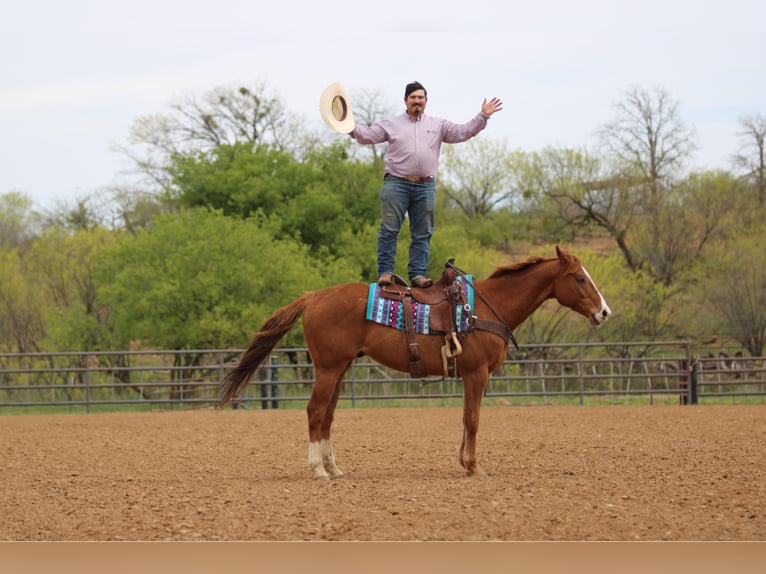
(321, 412)
(328, 457)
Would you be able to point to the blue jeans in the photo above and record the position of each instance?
(418, 200)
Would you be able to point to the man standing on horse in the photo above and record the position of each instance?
(414, 144)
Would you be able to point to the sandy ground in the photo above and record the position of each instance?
(555, 473)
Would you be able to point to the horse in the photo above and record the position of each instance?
(337, 332)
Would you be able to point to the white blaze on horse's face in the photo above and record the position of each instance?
(575, 289)
(602, 312)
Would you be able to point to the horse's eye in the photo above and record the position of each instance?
(580, 279)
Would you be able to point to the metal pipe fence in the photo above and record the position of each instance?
(580, 374)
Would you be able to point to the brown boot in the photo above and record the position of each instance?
(386, 279)
(422, 282)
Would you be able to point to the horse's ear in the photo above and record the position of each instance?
(562, 254)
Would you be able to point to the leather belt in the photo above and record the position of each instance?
(412, 178)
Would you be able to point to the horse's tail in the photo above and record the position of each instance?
(267, 337)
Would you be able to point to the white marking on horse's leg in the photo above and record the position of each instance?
(315, 461)
(605, 311)
(328, 460)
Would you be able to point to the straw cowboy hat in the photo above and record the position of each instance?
(336, 109)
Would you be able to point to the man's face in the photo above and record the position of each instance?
(416, 102)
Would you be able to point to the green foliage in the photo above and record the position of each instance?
(238, 179)
(644, 309)
(694, 213)
(499, 229)
(21, 312)
(735, 289)
(203, 280)
(314, 201)
(359, 251)
(481, 175)
(453, 241)
(17, 219)
(65, 266)
(51, 297)
(357, 185)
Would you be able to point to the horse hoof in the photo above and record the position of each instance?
(339, 477)
(322, 477)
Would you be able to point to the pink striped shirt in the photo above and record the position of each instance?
(414, 146)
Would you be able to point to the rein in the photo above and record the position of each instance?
(501, 329)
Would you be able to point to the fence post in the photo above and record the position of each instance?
(274, 386)
(693, 383)
(683, 381)
(87, 383)
(263, 377)
(688, 381)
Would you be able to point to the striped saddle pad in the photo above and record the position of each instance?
(389, 312)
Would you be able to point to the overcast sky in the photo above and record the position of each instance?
(75, 74)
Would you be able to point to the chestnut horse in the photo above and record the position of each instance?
(337, 332)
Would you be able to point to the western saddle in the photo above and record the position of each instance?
(443, 296)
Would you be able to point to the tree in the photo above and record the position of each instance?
(313, 201)
(355, 183)
(571, 187)
(481, 175)
(132, 208)
(18, 221)
(368, 109)
(694, 213)
(80, 214)
(648, 309)
(649, 135)
(238, 179)
(223, 116)
(62, 265)
(200, 280)
(734, 285)
(22, 325)
(48, 298)
(648, 144)
(751, 160)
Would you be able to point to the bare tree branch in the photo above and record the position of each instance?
(648, 135)
(751, 160)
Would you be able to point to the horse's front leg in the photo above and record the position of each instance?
(473, 391)
(321, 412)
(322, 460)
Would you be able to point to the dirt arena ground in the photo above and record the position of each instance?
(555, 473)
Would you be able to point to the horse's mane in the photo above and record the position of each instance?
(533, 261)
(515, 267)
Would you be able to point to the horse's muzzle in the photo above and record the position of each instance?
(601, 316)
